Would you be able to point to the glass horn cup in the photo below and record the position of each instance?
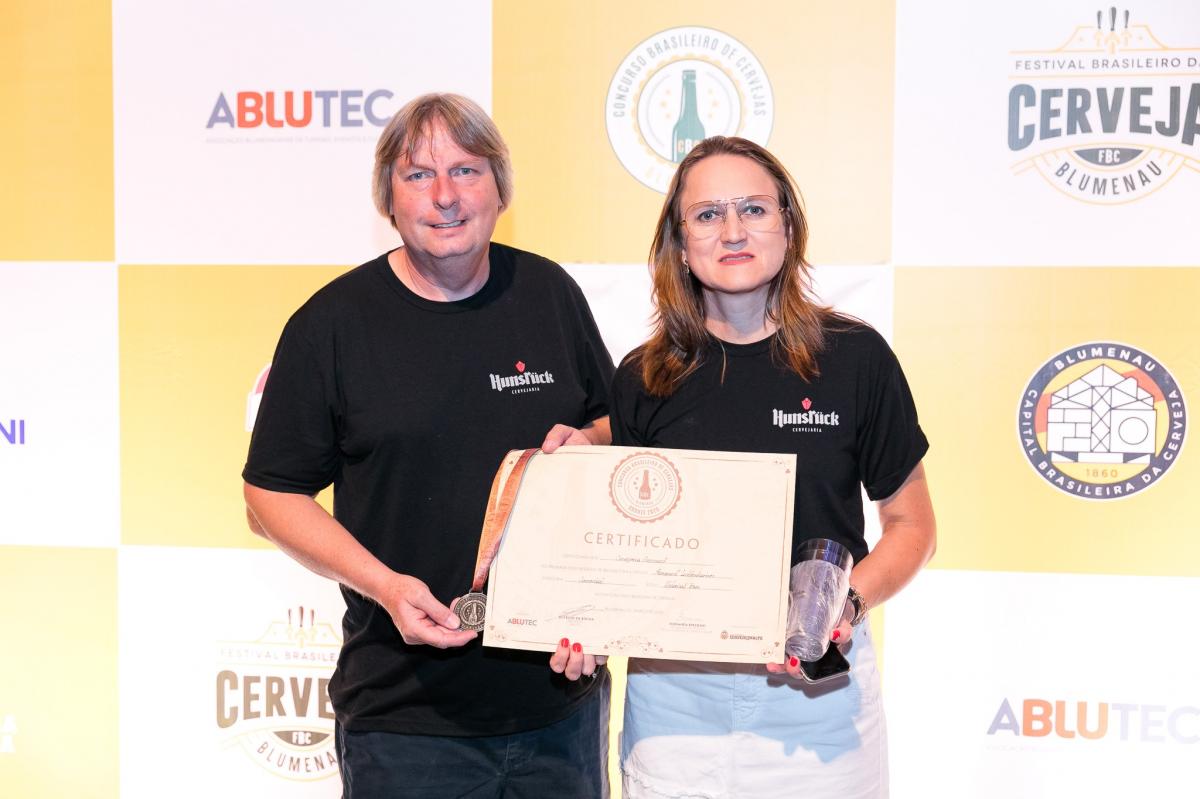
(820, 581)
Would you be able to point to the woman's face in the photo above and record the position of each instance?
(729, 257)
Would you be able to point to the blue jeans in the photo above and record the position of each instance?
(567, 759)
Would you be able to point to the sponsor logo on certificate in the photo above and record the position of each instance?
(645, 487)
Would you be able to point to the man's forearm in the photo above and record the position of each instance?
(300, 527)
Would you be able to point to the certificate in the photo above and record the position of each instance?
(662, 553)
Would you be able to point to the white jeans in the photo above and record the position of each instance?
(707, 730)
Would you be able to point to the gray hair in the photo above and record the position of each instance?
(468, 125)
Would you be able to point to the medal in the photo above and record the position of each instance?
(470, 610)
(471, 607)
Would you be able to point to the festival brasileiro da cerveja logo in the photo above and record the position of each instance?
(1111, 114)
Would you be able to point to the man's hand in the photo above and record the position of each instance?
(562, 435)
(420, 618)
(595, 432)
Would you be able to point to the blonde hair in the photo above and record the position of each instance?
(411, 127)
(676, 347)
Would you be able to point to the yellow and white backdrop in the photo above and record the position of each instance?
(1008, 192)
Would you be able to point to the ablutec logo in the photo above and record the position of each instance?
(1110, 115)
(1128, 722)
(310, 113)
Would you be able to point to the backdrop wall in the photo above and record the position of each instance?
(1009, 197)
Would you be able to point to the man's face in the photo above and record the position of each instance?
(444, 200)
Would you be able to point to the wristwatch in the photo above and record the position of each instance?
(860, 606)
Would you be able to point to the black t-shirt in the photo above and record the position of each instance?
(855, 425)
(407, 406)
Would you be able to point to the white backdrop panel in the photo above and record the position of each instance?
(195, 185)
(994, 677)
(619, 296)
(59, 434)
(962, 196)
(862, 291)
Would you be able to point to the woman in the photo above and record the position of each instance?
(739, 352)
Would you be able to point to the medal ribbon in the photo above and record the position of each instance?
(500, 503)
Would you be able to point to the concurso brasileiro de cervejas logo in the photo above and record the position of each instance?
(678, 87)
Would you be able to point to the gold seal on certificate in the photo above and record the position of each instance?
(646, 552)
(470, 609)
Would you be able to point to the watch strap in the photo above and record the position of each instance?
(860, 606)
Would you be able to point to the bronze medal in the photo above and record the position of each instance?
(470, 609)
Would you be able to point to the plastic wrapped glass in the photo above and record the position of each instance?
(819, 583)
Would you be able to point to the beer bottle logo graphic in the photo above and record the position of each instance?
(677, 87)
(644, 492)
(689, 130)
(645, 487)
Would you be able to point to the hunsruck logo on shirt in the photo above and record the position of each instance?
(805, 421)
(522, 381)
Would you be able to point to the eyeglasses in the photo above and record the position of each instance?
(759, 212)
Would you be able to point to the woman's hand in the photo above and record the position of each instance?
(790, 666)
(840, 634)
(570, 661)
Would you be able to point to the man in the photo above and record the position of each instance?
(395, 384)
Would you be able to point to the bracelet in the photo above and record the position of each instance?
(860, 606)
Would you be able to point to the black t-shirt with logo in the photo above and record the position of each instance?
(407, 407)
(855, 425)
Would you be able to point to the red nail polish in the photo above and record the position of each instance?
(564, 643)
(836, 634)
(578, 647)
(794, 662)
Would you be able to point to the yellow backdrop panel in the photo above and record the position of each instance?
(193, 341)
(58, 672)
(830, 67)
(56, 143)
(970, 341)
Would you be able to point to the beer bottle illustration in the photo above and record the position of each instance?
(688, 129)
(644, 489)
